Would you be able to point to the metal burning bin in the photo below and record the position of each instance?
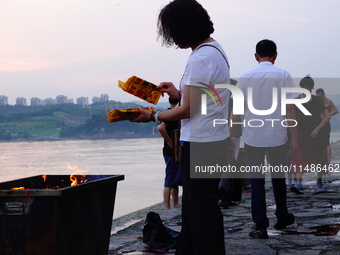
(51, 217)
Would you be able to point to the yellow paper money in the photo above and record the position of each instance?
(125, 114)
(142, 89)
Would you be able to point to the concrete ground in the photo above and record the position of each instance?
(315, 231)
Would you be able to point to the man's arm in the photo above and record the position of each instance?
(325, 119)
(164, 133)
(332, 109)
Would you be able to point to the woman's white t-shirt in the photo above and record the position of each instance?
(205, 68)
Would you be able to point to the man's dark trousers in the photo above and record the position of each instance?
(276, 156)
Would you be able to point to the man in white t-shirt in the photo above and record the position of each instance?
(266, 134)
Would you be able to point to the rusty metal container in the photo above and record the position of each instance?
(60, 220)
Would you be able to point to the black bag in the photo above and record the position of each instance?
(230, 187)
(158, 236)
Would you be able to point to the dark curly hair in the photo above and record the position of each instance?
(184, 23)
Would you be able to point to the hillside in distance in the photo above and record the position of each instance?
(69, 121)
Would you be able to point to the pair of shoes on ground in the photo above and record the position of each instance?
(261, 233)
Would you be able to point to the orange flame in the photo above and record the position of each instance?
(78, 175)
(18, 188)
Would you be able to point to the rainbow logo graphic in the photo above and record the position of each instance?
(208, 91)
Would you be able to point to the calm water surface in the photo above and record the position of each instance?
(139, 160)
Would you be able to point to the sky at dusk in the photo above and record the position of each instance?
(83, 47)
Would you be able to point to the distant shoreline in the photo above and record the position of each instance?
(96, 137)
(51, 139)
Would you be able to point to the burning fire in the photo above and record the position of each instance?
(78, 175)
(18, 188)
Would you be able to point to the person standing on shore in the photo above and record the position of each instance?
(311, 138)
(172, 172)
(269, 138)
(333, 110)
(186, 24)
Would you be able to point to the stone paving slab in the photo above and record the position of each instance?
(316, 230)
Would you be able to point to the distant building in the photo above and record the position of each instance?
(103, 98)
(95, 100)
(35, 101)
(50, 101)
(3, 100)
(21, 101)
(83, 100)
(61, 99)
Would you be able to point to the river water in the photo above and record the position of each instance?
(139, 160)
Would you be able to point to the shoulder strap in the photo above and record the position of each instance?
(216, 49)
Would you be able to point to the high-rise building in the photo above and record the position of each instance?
(3, 100)
(21, 101)
(104, 98)
(83, 100)
(61, 99)
(50, 101)
(95, 100)
(35, 101)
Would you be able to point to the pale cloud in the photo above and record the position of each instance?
(81, 47)
(71, 31)
(24, 64)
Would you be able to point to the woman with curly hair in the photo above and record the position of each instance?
(186, 24)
